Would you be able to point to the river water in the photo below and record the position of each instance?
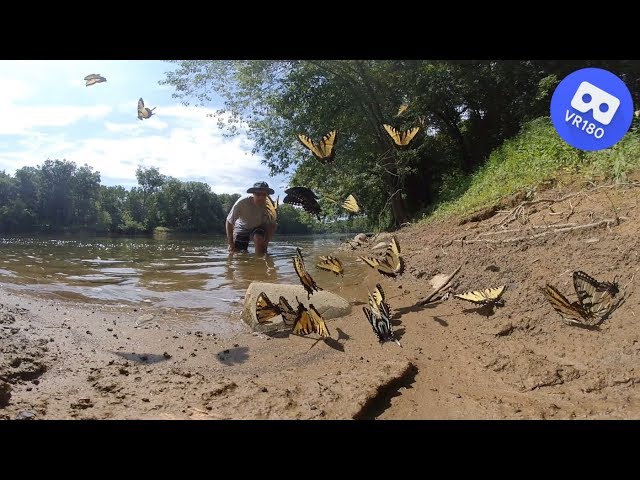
(191, 275)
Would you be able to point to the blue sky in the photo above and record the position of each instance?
(47, 112)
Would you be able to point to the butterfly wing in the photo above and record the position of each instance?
(265, 309)
(271, 210)
(392, 264)
(402, 109)
(572, 312)
(319, 325)
(307, 281)
(371, 261)
(141, 110)
(408, 135)
(308, 143)
(289, 315)
(93, 79)
(596, 298)
(381, 325)
(331, 264)
(351, 205)
(377, 301)
(303, 324)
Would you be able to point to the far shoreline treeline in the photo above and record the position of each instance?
(60, 197)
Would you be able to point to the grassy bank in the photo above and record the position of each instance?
(534, 156)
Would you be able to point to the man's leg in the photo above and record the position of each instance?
(260, 241)
(242, 241)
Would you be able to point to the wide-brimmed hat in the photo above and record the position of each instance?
(261, 186)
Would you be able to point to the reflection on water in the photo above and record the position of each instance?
(194, 274)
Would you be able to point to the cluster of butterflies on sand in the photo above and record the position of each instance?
(143, 112)
(304, 321)
(596, 299)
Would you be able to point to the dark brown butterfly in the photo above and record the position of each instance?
(93, 79)
(324, 151)
(305, 198)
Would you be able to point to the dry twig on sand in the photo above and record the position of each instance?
(550, 230)
(439, 289)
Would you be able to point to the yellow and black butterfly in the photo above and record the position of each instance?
(392, 264)
(272, 209)
(265, 309)
(594, 304)
(304, 197)
(309, 321)
(94, 78)
(595, 297)
(570, 311)
(144, 112)
(289, 315)
(401, 139)
(331, 264)
(324, 151)
(488, 296)
(351, 205)
(307, 281)
(379, 316)
(401, 109)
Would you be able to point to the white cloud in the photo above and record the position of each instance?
(46, 112)
(16, 120)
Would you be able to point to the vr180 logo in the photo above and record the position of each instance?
(592, 109)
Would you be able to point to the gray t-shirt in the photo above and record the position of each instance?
(245, 216)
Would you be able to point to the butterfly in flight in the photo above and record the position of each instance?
(144, 112)
(324, 151)
(351, 205)
(307, 281)
(401, 139)
(93, 79)
(401, 109)
(331, 264)
(304, 197)
(272, 209)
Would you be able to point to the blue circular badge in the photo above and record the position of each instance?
(591, 109)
